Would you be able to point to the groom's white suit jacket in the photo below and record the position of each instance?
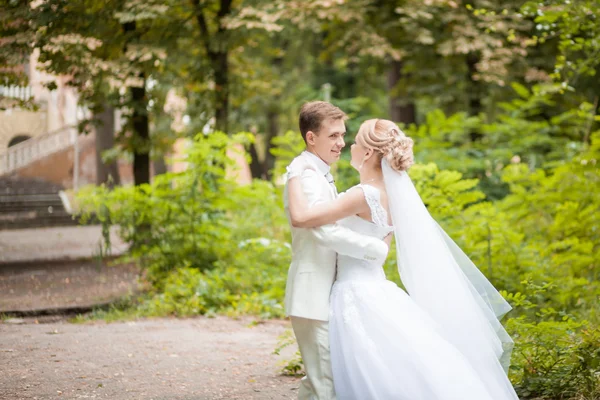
(314, 251)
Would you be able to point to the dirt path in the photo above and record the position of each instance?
(58, 268)
(43, 286)
(199, 358)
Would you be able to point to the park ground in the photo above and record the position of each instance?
(197, 358)
(47, 275)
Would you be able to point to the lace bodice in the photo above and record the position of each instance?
(353, 269)
(378, 213)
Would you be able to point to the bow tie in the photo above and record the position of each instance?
(331, 181)
(329, 178)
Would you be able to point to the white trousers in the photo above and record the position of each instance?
(313, 340)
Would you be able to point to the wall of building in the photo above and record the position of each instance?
(17, 122)
(59, 167)
(57, 108)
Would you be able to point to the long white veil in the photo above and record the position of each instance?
(446, 284)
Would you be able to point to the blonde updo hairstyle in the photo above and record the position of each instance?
(388, 142)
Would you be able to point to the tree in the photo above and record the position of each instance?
(14, 49)
(572, 29)
(216, 46)
(106, 172)
(102, 47)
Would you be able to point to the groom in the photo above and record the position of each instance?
(314, 251)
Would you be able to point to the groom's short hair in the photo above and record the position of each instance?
(313, 113)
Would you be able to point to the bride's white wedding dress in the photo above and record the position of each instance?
(383, 346)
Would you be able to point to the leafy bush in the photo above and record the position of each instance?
(556, 357)
(200, 237)
(253, 283)
(520, 131)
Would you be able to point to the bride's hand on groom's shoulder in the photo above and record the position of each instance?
(297, 167)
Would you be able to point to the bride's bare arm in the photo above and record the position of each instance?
(303, 216)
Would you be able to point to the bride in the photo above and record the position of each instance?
(443, 342)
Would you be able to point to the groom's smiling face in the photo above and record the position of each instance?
(329, 141)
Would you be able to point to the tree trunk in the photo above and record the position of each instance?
(106, 173)
(262, 170)
(141, 130)
(256, 167)
(140, 123)
(401, 109)
(475, 92)
(217, 49)
(272, 131)
(221, 69)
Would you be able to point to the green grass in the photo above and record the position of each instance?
(124, 309)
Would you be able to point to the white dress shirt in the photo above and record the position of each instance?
(324, 169)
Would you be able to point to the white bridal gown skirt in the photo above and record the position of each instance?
(384, 347)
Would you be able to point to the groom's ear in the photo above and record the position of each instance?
(310, 138)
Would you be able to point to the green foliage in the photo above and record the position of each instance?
(285, 148)
(540, 243)
(517, 132)
(121, 310)
(574, 27)
(252, 288)
(556, 357)
(206, 243)
(293, 366)
(544, 231)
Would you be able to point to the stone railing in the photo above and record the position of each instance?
(16, 92)
(33, 149)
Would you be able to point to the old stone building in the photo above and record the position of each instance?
(30, 136)
(42, 153)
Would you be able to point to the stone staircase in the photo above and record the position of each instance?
(24, 153)
(31, 203)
